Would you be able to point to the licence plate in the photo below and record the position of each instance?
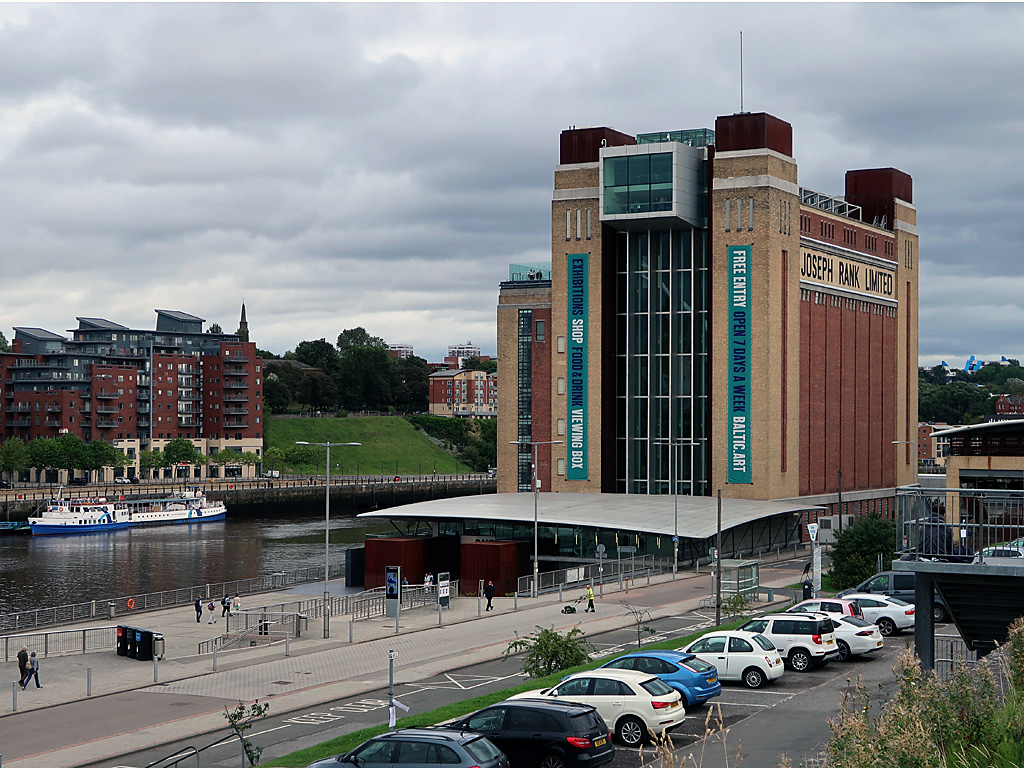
(673, 705)
(713, 678)
(878, 644)
(600, 742)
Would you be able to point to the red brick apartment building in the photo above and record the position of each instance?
(465, 393)
(709, 323)
(136, 389)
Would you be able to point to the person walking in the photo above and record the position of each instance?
(33, 671)
(213, 613)
(590, 601)
(236, 604)
(489, 594)
(225, 606)
(22, 666)
(199, 610)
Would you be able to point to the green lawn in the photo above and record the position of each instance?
(352, 740)
(390, 446)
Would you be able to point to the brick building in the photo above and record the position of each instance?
(710, 324)
(136, 389)
(466, 393)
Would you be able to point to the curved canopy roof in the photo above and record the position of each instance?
(632, 512)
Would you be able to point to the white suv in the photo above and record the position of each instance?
(803, 639)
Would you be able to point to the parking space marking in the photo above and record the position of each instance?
(464, 682)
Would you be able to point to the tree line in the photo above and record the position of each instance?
(970, 396)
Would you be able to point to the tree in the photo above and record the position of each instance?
(273, 458)
(249, 459)
(152, 460)
(319, 354)
(277, 395)
(410, 384)
(476, 364)
(358, 337)
(548, 652)
(318, 390)
(638, 620)
(43, 453)
(856, 550)
(13, 455)
(100, 454)
(240, 720)
(73, 453)
(1014, 386)
(215, 328)
(5, 346)
(365, 370)
(181, 451)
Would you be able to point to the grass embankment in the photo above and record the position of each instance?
(390, 446)
(352, 740)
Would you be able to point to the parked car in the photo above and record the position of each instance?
(421, 748)
(754, 659)
(1000, 555)
(855, 637)
(6, 483)
(891, 614)
(695, 679)
(122, 480)
(544, 733)
(898, 584)
(631, 703)
(836, 606)
(78, 481)
(804, 640)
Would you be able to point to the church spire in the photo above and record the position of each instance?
(243, 327)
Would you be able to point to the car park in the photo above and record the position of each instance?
(804, 640)
(855, 637)
(898, 584)
(421, 748)
(631, 703)
(891, 614)
(752, 659)
(546, 733)
(836, 606)
(696, 679)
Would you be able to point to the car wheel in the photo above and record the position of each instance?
(753, 677)
(886, 626)
(843, 650)
(800, 660)
(939, 614)
(552, 761)
(631, 731)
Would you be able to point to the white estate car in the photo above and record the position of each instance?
(855, 636)
(630, 702)
(805, 640)
(891, 614)
(754, 659)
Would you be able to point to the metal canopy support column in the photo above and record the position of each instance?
(924, 620)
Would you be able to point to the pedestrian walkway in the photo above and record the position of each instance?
(128, 712)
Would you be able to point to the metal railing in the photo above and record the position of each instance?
(257, 628)
(956, 523)
(585, 573)
(152, 601)
(951, 650)
(61, 642)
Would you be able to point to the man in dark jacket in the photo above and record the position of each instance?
(22, 666)
(489, 594)
(199, 610)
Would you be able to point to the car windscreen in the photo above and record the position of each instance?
(853, 621)
(656, 687)
(482, 750)
(698, 666)
(764, 642)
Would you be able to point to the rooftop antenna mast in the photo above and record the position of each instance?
(741, 71)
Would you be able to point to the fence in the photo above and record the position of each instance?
(955, 523)
(586, 573)
(949, 651)
(61, 642)
(113, 607)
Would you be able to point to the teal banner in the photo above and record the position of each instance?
(578, 281)
(739, 364)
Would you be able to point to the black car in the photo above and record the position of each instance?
(6, 483)
(78, 481)
(421, 748)
(544, 734)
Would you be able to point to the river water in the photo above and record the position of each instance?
(44, 571)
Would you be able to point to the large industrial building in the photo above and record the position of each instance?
(709, 324)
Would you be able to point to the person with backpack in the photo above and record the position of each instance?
(199, 610)
(213, 613)
(225, 606)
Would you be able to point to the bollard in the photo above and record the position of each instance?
(439, 614)
(771, 595)
(515, 601)
(88, 681)
(14, 695)
(214, 659)
(156, 669)
(111, 610)
(287, 644)
(648, 577)
(559, 593)
(351, 629)
(478, 604)
(396, 620)
(627, 585)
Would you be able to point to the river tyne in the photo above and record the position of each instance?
(46, 571)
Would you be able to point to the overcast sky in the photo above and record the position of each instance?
(381, 165)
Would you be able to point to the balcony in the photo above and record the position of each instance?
(107, 409)
(53, 422)
(237, 411)
(188, 396)
(236, 398)
(187, 421)
(236, 385)
(236, 423)
(19, 408)
(188, 409)
(143, 409)
(236, 359)
(53, 409)
(143, 394)
(19, 422)
(236, 372)
(142, 422)
(104, 395)
(106, 423)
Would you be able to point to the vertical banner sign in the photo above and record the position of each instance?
(392, 590)
(578, 280)
(739, 365)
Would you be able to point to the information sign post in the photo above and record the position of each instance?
(444, 589)
(392, 591)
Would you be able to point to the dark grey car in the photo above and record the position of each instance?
(901, 584)
(421, 748)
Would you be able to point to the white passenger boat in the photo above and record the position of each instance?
(71, 516)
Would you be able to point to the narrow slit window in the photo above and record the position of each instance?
(728, 212)
(750, 218)
(568, 224)
(579, 214)
(588, 224)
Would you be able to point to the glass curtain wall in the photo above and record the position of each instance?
(661, 361)
(525, 400)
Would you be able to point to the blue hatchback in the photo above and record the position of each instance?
(695, 679)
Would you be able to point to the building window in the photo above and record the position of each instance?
(560, 385)
(728, 214)
(739, 213)
(568, 224)
(561, 427)
(638, 183)
(588, 224)
(750, 218)
(560, 344)
(560, 464)
(579, 213)
(540, 330)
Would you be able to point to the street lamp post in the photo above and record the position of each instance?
(674, 480)
(536, 491)
(327, 529)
